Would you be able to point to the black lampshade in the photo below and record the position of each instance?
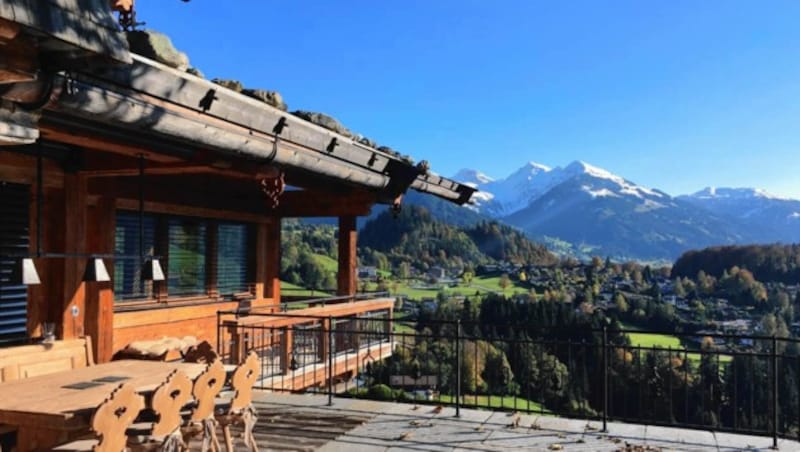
(24, 272)
(96, 271)
(152, 270)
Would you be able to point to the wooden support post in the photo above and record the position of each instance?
(73, 306)
(325, 338)
(100, 295)
(261, 261)
(286, 350)
(346, 277)
(272, 248)
(38, 311)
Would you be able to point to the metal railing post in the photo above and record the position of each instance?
(605, 378)
(330, 360)
(774, 392)
(458, 368)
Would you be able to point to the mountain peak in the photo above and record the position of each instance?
(472, 177)
(537, 166)
(528, 171)
(734, 193)
(579, 167)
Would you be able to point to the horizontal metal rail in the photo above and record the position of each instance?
(751, 388)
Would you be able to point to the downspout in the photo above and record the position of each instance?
(20, 109)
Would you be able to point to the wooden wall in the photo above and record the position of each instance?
(79, 220)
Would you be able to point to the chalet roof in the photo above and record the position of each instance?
(70, 30)
(148, 100)
(173, 112)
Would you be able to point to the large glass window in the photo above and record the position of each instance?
(186, 271)
(233, 273)
(128, 282)
(198, 255)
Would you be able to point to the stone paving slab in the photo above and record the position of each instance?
(419, 427)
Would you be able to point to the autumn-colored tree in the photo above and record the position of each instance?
(504, 282)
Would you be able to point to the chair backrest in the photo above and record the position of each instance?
(168, 400)
(244, 377)
(41, 359)
(200, 353)
(207, 387)
(114, 416)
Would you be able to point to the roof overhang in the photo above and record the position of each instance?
(69, 33)
(150, 101)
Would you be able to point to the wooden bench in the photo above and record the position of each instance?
(26, 361)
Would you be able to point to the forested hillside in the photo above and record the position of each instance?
(417, 238)
(767, 263)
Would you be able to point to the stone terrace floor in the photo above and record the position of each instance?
(305, 422)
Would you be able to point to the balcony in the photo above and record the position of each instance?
(300, 349)
(731, 384)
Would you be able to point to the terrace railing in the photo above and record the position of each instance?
(303, 298)
(720, 382)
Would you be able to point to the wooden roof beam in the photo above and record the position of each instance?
(97, 143)
(238, 172)
(312, 203)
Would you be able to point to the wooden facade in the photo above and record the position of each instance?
(215, 167)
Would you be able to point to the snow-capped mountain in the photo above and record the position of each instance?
(771, 218)
(593, 211)
(503, 197)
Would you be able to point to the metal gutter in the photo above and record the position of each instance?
(151, 98)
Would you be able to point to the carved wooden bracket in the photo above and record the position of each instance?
(273, 188)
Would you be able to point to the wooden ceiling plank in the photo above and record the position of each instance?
(93, 142)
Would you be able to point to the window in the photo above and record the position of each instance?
(128, 282)
(186, 270)
(233, 269)
(199, 257)
(14, 240)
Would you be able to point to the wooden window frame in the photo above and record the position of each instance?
(161, 297)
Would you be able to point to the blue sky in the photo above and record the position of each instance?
(675, 95)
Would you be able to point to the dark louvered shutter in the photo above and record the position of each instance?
(14, 241)
(186, 269)
(128, 284)
(233, 269)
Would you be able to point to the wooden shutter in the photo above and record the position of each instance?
(14, 241)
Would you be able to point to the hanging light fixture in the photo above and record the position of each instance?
(152, 270)
(96, 271)
(24, 273)
(151, 267)
(28, 275)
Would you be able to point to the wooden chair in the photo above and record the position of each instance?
(200, 353)
(201, 419)
(240, 410)
(167, 402)
(110, 421)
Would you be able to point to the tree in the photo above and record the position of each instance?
(504, 282)
(404, 270)
(677, 287)
(466, 276)
(620, 303)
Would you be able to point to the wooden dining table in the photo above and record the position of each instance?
(52, 409)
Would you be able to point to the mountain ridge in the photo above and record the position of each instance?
(598, 212)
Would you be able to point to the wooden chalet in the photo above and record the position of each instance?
(109, 155)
